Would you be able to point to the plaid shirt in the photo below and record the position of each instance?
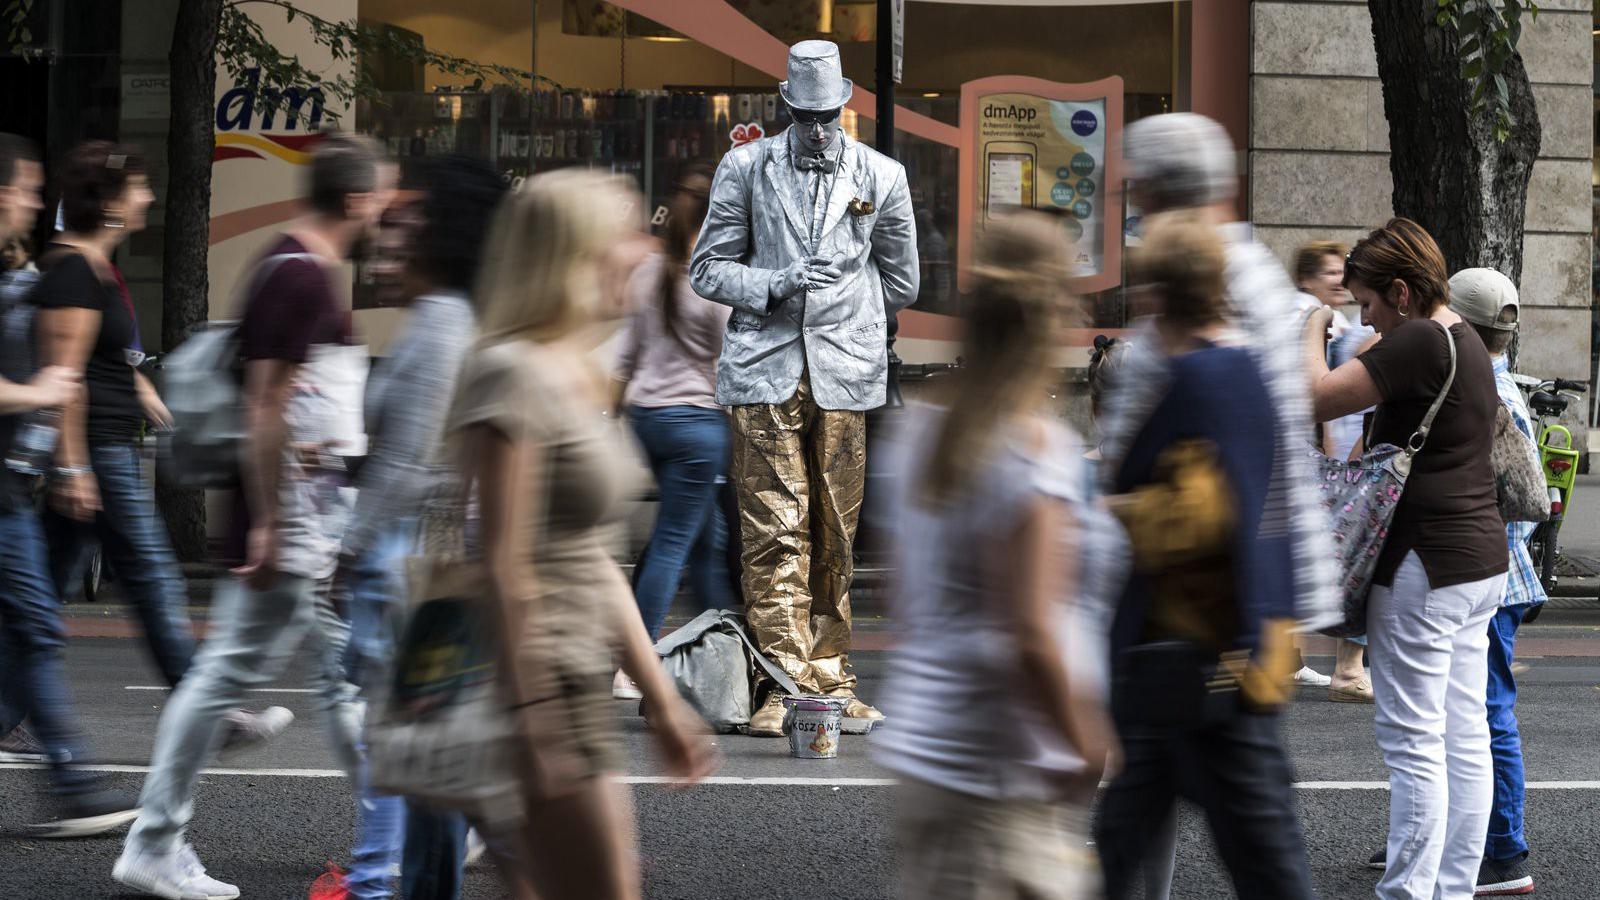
(1522, 584)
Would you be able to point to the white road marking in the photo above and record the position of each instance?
(772, 781)
(162, 687)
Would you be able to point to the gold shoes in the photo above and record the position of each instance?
(768, 720)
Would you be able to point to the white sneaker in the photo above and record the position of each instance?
(475, 849)
(171, 876)
(1309, 677)
(247, 730)
(623, 688)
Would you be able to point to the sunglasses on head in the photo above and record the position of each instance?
(813, 117)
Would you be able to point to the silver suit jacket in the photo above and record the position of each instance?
(758, 224)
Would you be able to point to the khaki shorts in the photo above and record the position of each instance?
(956, 846)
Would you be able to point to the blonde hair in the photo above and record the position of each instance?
(1182, 258)
(539, 278)
(1014, 317)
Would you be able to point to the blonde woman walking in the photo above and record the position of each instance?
(532, 438)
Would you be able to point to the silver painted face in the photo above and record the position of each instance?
(816, 131)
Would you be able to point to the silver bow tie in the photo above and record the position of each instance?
(819, 163)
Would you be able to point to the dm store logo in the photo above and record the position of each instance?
(247, 110)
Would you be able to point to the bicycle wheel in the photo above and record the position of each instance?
(93, 572)
(1551, 547)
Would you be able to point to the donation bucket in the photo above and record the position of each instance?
(813, 726)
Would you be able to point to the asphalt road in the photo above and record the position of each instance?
(272, 832)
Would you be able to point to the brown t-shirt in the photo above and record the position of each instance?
(1448, 513)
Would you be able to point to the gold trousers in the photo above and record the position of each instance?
(799, 472)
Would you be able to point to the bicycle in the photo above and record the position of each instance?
(1559, 460)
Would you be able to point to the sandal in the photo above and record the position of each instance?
(1358, 691)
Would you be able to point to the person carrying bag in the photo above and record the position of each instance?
(1361, 497)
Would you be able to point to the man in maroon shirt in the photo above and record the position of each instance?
(302, 400)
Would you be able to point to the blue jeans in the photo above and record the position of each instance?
(375, 585)
(688, 450)
(254, 635)
(436, 849)
(32, 667)
(1505, 741)
(134, 540)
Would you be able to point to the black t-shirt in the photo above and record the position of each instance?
(1447, 513)
(114, 415)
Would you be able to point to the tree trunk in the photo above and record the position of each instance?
(1450, 174)
(190, 143)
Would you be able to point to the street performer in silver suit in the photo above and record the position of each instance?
(810, 239)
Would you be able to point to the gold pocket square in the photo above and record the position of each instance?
(860, 207)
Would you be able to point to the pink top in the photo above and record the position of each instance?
(662, 370)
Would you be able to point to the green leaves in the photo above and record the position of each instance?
(1487, 34)
(19, 34)
(241, 45)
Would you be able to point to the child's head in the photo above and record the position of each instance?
(1103, 365)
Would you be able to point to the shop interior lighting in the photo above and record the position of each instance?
(931, 94)
(720, 106)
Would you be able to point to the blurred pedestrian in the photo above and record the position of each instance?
(438, 241)
(1210, 598)
(1442, 571)
(32, 669)
(530, 433)
(998, 551)
(1184, 161)
(1105, 365)
(16, 255)
(303, 375)
(668, 377)
(87, 321)
(1319, 274)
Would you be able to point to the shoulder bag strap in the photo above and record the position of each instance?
(1420, 436)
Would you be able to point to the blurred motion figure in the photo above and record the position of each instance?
(995, 687)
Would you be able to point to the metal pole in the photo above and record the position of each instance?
(884, 73)
(884, 76)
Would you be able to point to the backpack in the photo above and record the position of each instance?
(201, 383)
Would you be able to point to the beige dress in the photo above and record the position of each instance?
(546, 395)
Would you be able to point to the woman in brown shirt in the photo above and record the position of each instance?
(1442, 569)
(533, 437)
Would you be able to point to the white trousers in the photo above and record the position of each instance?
(1429, 653)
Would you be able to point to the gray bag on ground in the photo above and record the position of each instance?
(715, 666)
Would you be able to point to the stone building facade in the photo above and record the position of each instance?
(1319, 154)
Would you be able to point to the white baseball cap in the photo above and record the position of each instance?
(1480, 295)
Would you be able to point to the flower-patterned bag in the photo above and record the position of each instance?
(1361, 498)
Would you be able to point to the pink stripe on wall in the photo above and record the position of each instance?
(231, 225)
(726, 30)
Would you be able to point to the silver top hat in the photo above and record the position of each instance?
(816, 80)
